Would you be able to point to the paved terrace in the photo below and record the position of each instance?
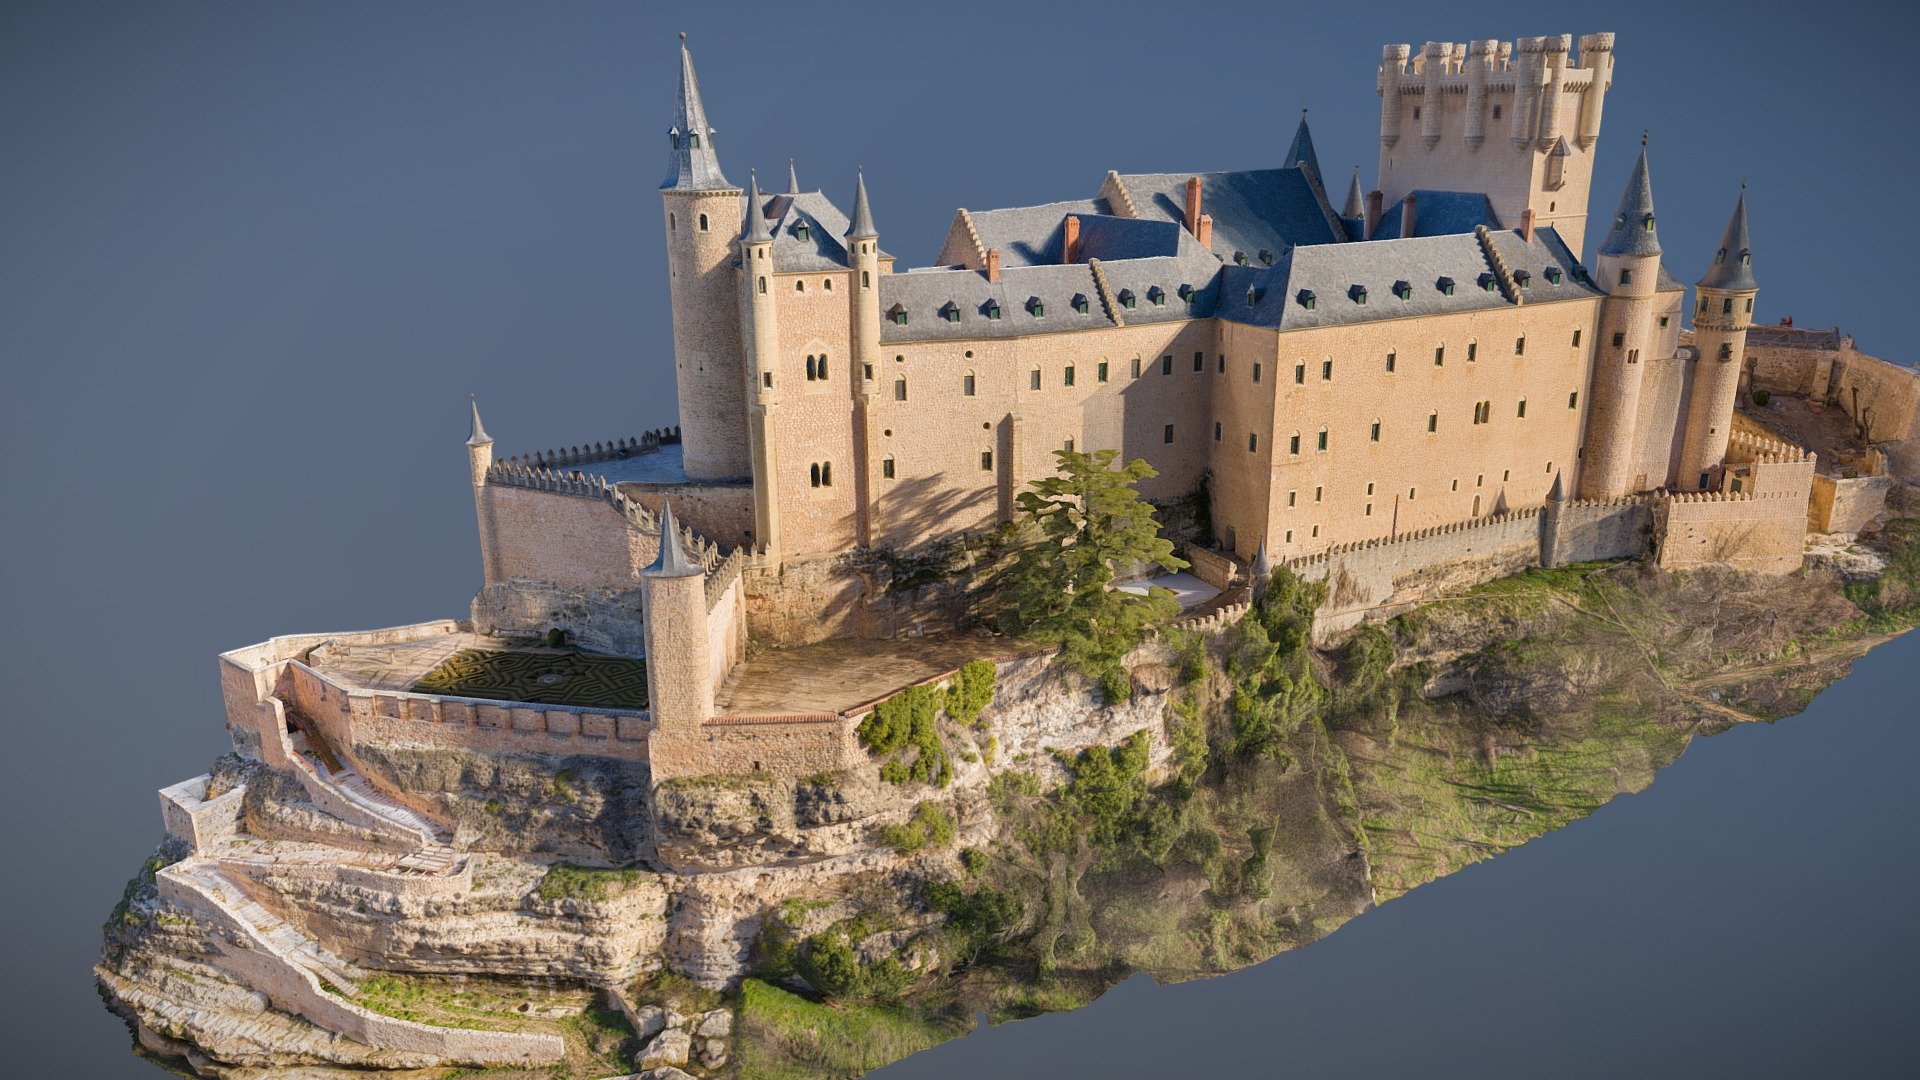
(836, 676)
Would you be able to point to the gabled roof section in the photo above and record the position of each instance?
(1028, 235)
(1438, 213)
(821, 248)
(692, 164)
(1271, 209)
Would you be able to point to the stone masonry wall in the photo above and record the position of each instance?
(570, 540)
(604, 620)
(1761, 532)
(1846, 504)
(1376, 578)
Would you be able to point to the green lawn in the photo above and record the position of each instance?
(544, 676)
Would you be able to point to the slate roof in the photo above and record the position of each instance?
(1252, 210)
(1031, 235)
(1732, 268)
(922, 294)
(822, 249)
(1632, 232)
(1438, 213)
(688, 168)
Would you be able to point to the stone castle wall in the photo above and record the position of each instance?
(1765, 533)
(1376, 579)
(573, 541)
(1846, 504)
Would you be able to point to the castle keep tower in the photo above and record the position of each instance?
(708, 359)
(1723, 312)
(1516, 121)
(1627, 269)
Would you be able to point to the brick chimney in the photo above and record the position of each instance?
(1526, 224)
(1406, 216)
(1205, 235)
(993, 264)
(1193, 206)
(1072, 249)
(1376, 200)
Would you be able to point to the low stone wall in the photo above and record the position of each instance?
(797, 744)
(1378, 578)
(455, 884)
(1212, 567)
(1764, 533)
(248, 675)
(1846, 504)
(603, 620)
(1586, 530)
(202, 822)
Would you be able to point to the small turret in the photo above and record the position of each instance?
(673, 560)
(692, 164)
(1732, 269)
(679, 672)
(753, 230)
(477, 433)
(862, 227)
(1627, 269)
(1262, 571)
(1721, 317)
(1633, 232)
(479, 463)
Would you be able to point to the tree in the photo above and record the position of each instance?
(1082, 527)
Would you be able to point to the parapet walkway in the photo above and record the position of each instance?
(837, 676)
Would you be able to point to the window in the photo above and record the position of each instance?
(1456, 484)
(1749, 305)
(1166, 365)
(1166, 434)
(1358, 294)
(1505, 475)
(1316, 530)
(1433, 421)
(966, 385)
(1127, 299)
(1322, 446)
(1553, 274)
(1445, 285)
(1473, 351)
(822, 474)
(1626, 277)
(899, 389)
(951, 312)
(763, 286)
(1496, 112)
(1573, 400)
(1080, 303)
(1256, 372)
(1069, 375)
(866, 372)
(1068, 447)
(1253, 443)
(670, 222)
(1520, 345)
(1292, 497)
(799, 286)
(986, 461)
(1416, 112)
(1326, 371)
(1481, 411)
(1663, 322)
(1576, 337)
(1199, 361)
(1293, 443)
(1726, 307)
(1633, 356)
(1033, 379)
(1479, 479)
(1439, 355)
(1305, 296)
(1411, 492)
(800, 231)
(1374, 434)
(1289, 536)
(1156, 296)
(1221, 366)
(1403, 289)
(766, 379)
(866, 279)
(703, 217)
(1299, 373)
(1317, 493)
(1100, 372)
(1726, 350)
(1523, 409)
(811, 376)
(1619, 339)
(1369, 510)
(1216, 431)
(898, 314)
(1136, 367)
(993, 309)
(886, 468)
(1391, 358)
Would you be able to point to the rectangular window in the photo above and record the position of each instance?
(866, 371)
(1166, 434)
(1433, 421)
(1166, 365)
(1253, 442)
(1505, 475)
(1664, 318)
(899, 389)
(1375, 434)
(1439, 355)
(1473, 351)
(1292, 497)
(1100, 372)
(1222, 369)
(1033, 379)
(1369, 509)
(1216, 431)
(766, 379)
(966, 385)
(1391, 357)
(1316, 530)
(1069, 375)
(1293, 444)
(1326, 371)
(1456, 484)
(1576, 337)
(1626, 277)
(1299, 373)
(986, 461)
(1289, 536)
(1619, 340)
(1136, 367)
(1573, 400)
(1479, 479)
(1633, 356)
(1256, 372)
(1411, 492)
(1323, 439)
(1199, 361)
(886, 468)
(1520, 345)
(1317, 492)
(1523, 407)
(1068, 446)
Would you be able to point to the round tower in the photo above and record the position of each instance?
(479, 461)
(863, 255)
(1722, 313)
(709, 362)
(679, 674)
(760, 315)
(1627, 269)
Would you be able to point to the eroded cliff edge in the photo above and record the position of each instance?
(537, 915)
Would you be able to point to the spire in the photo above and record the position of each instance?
(862, 227)
(478, 436)
(1356, 203)
(793, 179)
(1262, 571)
(1732, 269)
(673, 560)
(1301, 152)
(754, 229)
(692, 164)
(1632, 232)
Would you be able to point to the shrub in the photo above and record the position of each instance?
(930, 826)
(976, 920)
(829, 964)
(556, 637)
(909, 719)
(1761, 397)
(971, 692)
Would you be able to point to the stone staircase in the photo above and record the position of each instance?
(285, 941)
(434, 855)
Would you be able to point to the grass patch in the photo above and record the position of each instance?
(567, 882)
(783, 1036)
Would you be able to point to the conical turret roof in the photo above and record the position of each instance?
(1732, 269)
(793, 179)
(674, 560)
(754, 229)
(1633, 232)
(477, 435)
(862, 227)
(692, 164)
(1356, 202)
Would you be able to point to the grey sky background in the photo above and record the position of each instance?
(254, 256)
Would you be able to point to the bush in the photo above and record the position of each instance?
(976, 920)
(909, 719)
(829, 964)
(556, 637)
(971, 692)
(930, 826)
(1761, 397)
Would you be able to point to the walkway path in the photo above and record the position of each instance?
(835, 676)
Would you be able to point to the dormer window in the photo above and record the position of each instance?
(1403, 290)
(1035, 308)
(1357, 294)
(693, 140)
(1156, 296)
(673, 136)
(1646, 223)
(1486, 281)
(800, 230)
(1080, 303)
(1305, 297)
(1522, 278)
(1720, 256)
(1187, 293)
(1445, 285)
(992, 310)
(1127, 299)
(1255, 295)
(951, 312)
(1266, 257)
(1746, 257)
(1553, 274)
(1239, 258)
(898, 314)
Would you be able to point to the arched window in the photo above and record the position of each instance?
(763, 286)
(799, 286)
(822, 365)
(670, 220)
(810, 373)
(866, 280)
(703, 223)
(826, 474)
(1726, 306)
(827, 284)
(816, 474)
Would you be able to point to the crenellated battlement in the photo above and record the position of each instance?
(619, 449)
(1763, 450)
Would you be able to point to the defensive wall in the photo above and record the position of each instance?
(1847, 504)
(1761, 532)
(1882, 397)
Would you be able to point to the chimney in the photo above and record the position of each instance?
(1205, 235)
(1526, 224)
(1072, 250)
(993, 263)
(1375, 200)
(1193, 206)
(1406, 216)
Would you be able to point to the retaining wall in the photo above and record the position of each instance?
(1379, 577)
(1846, 504)
(1765, 533)
(202, 822)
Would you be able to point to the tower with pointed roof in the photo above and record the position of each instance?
(1722, 313)
(863, 255)
(701, 210)
(479, 461)
(679, 662)
(1627, 270)
(762, 330)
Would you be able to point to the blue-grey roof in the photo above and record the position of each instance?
(1356, 205)
(690, 168)
(862, 227)
(673, 560)
(924, 294)
(1031, 235)
(754, 230)
(1254, 210)
(1108, 238)
(1185, 282)
(1301, 151)
(822, 248)
(1732, 269)
(1334, 274)
(1632, 232)
(1438, 213)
